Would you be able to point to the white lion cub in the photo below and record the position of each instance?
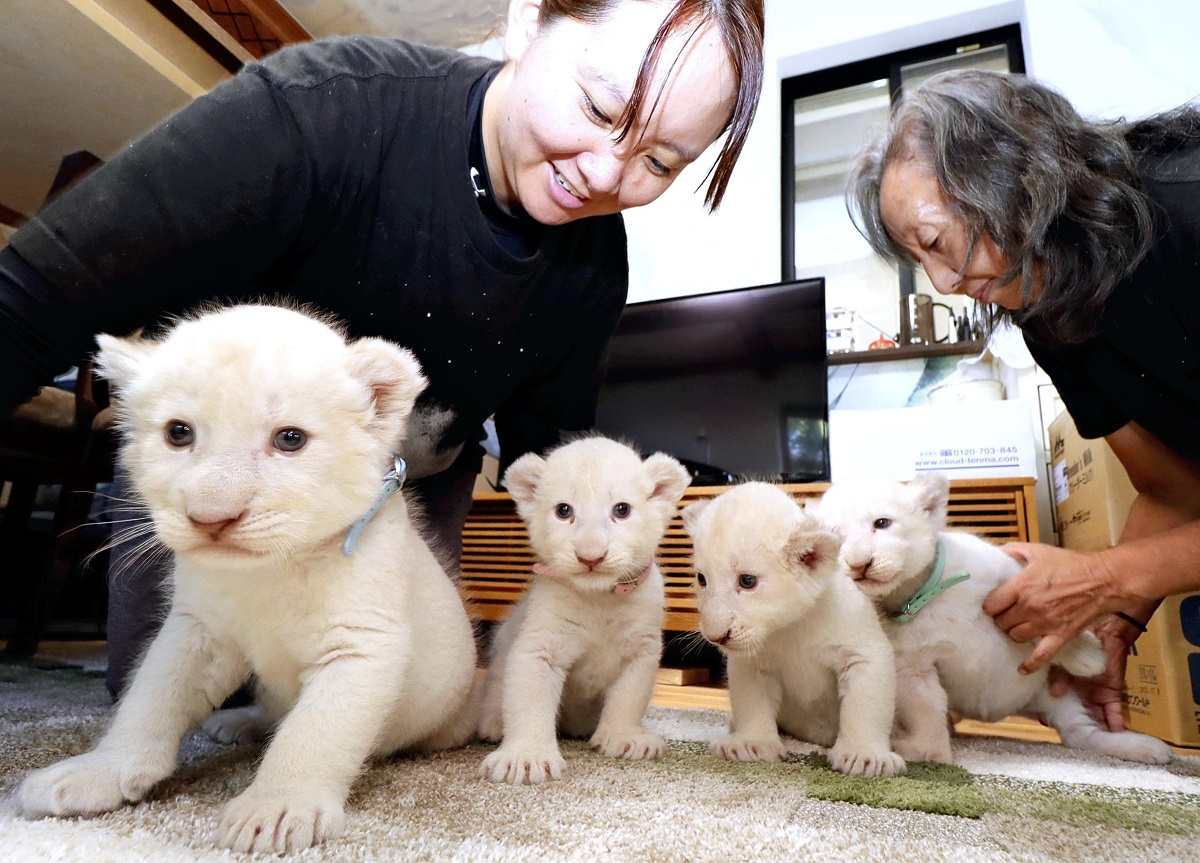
(949, 653)
(580, 650)
(805, 650)
(256, 437)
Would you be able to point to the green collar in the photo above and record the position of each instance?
(931, 588)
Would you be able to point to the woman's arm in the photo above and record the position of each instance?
(199, 207)
(1060, 592)
(1168, 488)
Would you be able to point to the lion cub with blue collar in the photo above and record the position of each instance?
(949, 653)
(256, 436)
(580, 650)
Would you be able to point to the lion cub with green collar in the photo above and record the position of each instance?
(930, 583)
(579, 652)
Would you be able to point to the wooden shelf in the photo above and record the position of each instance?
(908, 352)
(497, 560)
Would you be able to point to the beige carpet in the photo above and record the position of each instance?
(1016, 801)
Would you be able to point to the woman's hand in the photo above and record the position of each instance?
(1058, 594)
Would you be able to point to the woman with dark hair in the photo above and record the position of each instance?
(464, 208)
(1086, 235)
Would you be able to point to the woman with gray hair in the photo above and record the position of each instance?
(1086, 235)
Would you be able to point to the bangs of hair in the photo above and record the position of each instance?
(740, 23)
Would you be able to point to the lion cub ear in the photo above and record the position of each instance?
(811, 549)
(121, 359)
(523, 478)
(392, 376)
(669, 477)
(691, 516)
(931, 495)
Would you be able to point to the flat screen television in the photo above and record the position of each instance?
(733, 383)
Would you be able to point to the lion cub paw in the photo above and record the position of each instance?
(520, 764)
(918, 749)
(861, 760)
(90, 784)
(736, 748)
(634, 744)
(280, 820)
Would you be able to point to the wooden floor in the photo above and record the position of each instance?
(713, 697)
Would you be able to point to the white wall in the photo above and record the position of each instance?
(1116, 58)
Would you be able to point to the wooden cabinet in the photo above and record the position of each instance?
(496, 557)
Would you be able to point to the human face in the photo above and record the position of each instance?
(920, 218)
(549, 115)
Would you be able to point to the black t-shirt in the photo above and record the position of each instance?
(1144, 365)
(335, 173)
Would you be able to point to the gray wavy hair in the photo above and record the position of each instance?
(1020, 165)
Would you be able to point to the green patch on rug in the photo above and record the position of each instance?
(1087, 805)
(943, 789)
(940, 789)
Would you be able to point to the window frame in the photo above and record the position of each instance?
(861, 72)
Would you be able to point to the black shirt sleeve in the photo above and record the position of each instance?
(208, 200)
(1095, 413)
(564, 399)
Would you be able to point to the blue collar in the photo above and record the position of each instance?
(931, 588)
(393, 481)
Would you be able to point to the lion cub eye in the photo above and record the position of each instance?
(564, 511)
(701, 580)
(882, 523)
(621, 511)
(179, 433)
(746, 581)
(290, 439)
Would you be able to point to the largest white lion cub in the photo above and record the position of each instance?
(256, 437)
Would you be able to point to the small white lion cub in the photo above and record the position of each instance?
(580, 650)
(256, 437)
(805, 651)
(949, 653)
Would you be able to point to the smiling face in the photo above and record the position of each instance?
(549, 116)
(919, 217)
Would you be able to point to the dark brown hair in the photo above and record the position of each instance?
(740, 23)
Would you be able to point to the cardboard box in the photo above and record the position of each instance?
(983, 439)
(1162, 679)
(1092, 496)
(1092, 492)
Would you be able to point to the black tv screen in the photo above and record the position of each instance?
(731, 383)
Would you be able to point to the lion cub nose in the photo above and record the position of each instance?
(590, 562)
(214, 526)
(858, 571)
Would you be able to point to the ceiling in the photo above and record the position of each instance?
(93, 74)
(449, 23)
(73, 77)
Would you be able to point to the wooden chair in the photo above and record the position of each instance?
(58, 438)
